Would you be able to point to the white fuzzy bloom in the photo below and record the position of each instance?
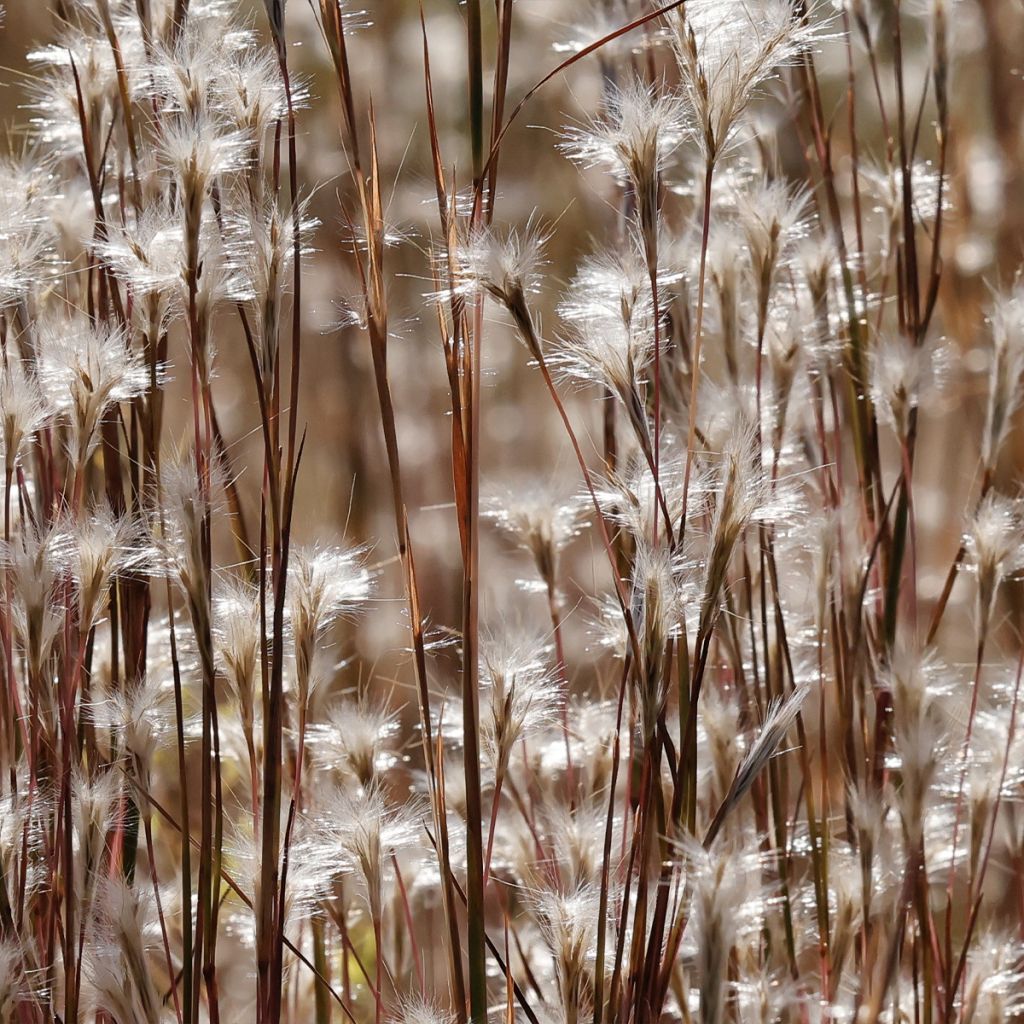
(642, 128)
(995, 547)
(79, 63)
(117, 966)
(568, 924)
(95, 809)
(541, 521)
(884, 185)
(596, 24)
(614, 354)
(781, 714)
(920, 733)
(419, 1011)
(629, 496)
(1006, 370)
(521, 693)
(13, 984)
(22, 411)
(369, 831)
(95, 549)
(358, 738)
(503, 265)
(741, 497)
(237, 629)
(324, 585)
(773, 217)
(25, 232)
(727, 52)
(995, 977)
(728, 905)
(903, 375)
(656, 607)
(145, 252)
(251, 93)
(33, 562)
(83, 369)
(199, 149)
(142, 718)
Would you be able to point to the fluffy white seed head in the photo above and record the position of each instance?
(22, 411)
(915, 680)
(237, 633)
(369, 831)
(568, 923)
(641, 129)
(83, 369)
(540, 520)
(95, 549)
(726, 53)
(324, 585)
(358, 739)
(995, 548)
(419, 1011)
(118, 968)
(903, 375)
(521, 693)
(742, 492)
(1006, 370)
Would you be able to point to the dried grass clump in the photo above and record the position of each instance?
(694, 695)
